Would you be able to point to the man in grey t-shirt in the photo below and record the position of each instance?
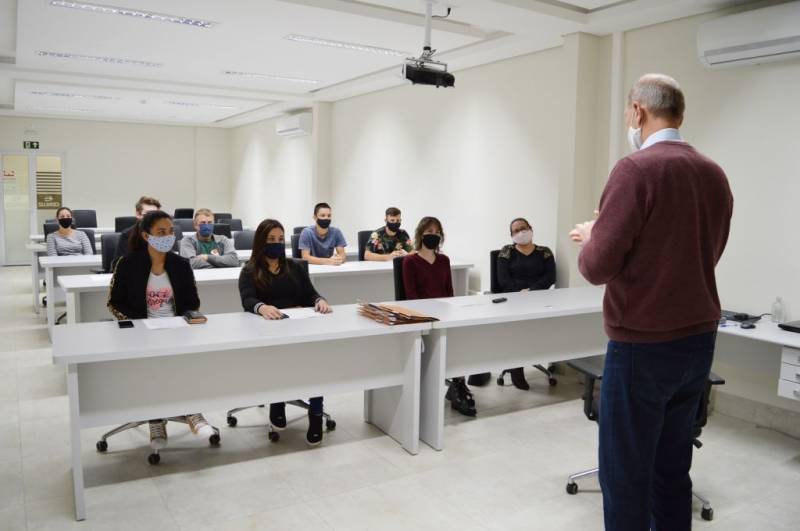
(322, 244)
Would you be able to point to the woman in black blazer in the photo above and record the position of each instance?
(269, 283)
(151, 282)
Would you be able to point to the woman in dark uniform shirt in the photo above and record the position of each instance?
(524, 266)
(269, 283)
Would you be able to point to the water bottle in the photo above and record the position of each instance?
(777, 310)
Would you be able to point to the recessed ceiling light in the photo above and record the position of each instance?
(59, 109)
(271, 77)
(134, 13)
(70, 95)
(205, 105)
(98, 59)
(347, 45)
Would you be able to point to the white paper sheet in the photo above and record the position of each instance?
(165, 323)
(301, 313)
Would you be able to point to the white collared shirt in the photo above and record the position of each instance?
(669, 133)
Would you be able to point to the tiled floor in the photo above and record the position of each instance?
(504, 470)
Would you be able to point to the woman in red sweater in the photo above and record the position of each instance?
(426, 275)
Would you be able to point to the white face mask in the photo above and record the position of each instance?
(635, 138)
(523, 237)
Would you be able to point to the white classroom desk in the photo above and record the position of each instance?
(218, 289)
(531, 328)
(783, 343)
(238, 359)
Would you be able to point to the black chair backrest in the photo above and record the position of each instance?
(186, 225)
(399, 285)
(84, 219)
(244, 239)
(53, 220)
(222, 217)
(302, 263)
(236, 225)
(184, 213)
(90, 235)
(123, 222)
(296, 254)
(178, 237)
(108, 248)
(298, 230)
(363, 238)
(222, 229)
(494, 285)
(48, 228)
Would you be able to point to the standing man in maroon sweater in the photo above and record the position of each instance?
(663, 224)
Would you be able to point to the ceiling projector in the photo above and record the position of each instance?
(424, 70)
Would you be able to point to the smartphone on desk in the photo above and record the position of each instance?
(125, 323)
(195, 317)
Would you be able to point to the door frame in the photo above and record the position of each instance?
(32, 222)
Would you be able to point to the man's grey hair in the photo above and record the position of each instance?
(659, 94)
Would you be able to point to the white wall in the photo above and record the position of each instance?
(272, 176)
(746, 120)
(108, 166)
(476, 156)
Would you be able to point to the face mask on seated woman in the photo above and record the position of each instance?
(523, 237)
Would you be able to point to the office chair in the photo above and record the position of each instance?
(85, 219)
(222, 229)
(592, 370)
(399, 285)
(184, 213)
(298, 230)
(51, 220)
(178, 237)
(108, 247)
(154, 458)
(222, 217)
(244, 239)
(494, 286)
(186, 225)
(123, 222)
(274, 436)
(296, 254)
(236, 225)
(90, 236)
(363, 238)
(49, 228)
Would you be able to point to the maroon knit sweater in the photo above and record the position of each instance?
(664, 221)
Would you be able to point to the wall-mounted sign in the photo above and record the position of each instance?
(47, 201)
(30, 144)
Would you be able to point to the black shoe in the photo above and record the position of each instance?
(479, 379)
(277, 416)
(461, 398)
(518, 379)
(314, 435)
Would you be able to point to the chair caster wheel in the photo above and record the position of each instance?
(214, 440)
(552, 381)
(232, 422)
(154, 459)
(330, 424)
(501, 381)
(101, 446)
(572, 488)
(707, 514)
(274, 436)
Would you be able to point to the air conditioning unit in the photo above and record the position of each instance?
(295, 125)
(753, 37)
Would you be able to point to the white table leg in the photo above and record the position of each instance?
(432, 389)
(395, 410)
(51, 299)
(35, 279)
(73, 307)
(75, 441)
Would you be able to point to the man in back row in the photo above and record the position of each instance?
(389, 241)
(204, 249)
(321, 244)
(144, 205)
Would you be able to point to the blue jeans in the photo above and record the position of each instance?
(648, 403)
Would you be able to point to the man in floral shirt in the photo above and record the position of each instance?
(389, 241)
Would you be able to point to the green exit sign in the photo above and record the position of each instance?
(29, 144)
